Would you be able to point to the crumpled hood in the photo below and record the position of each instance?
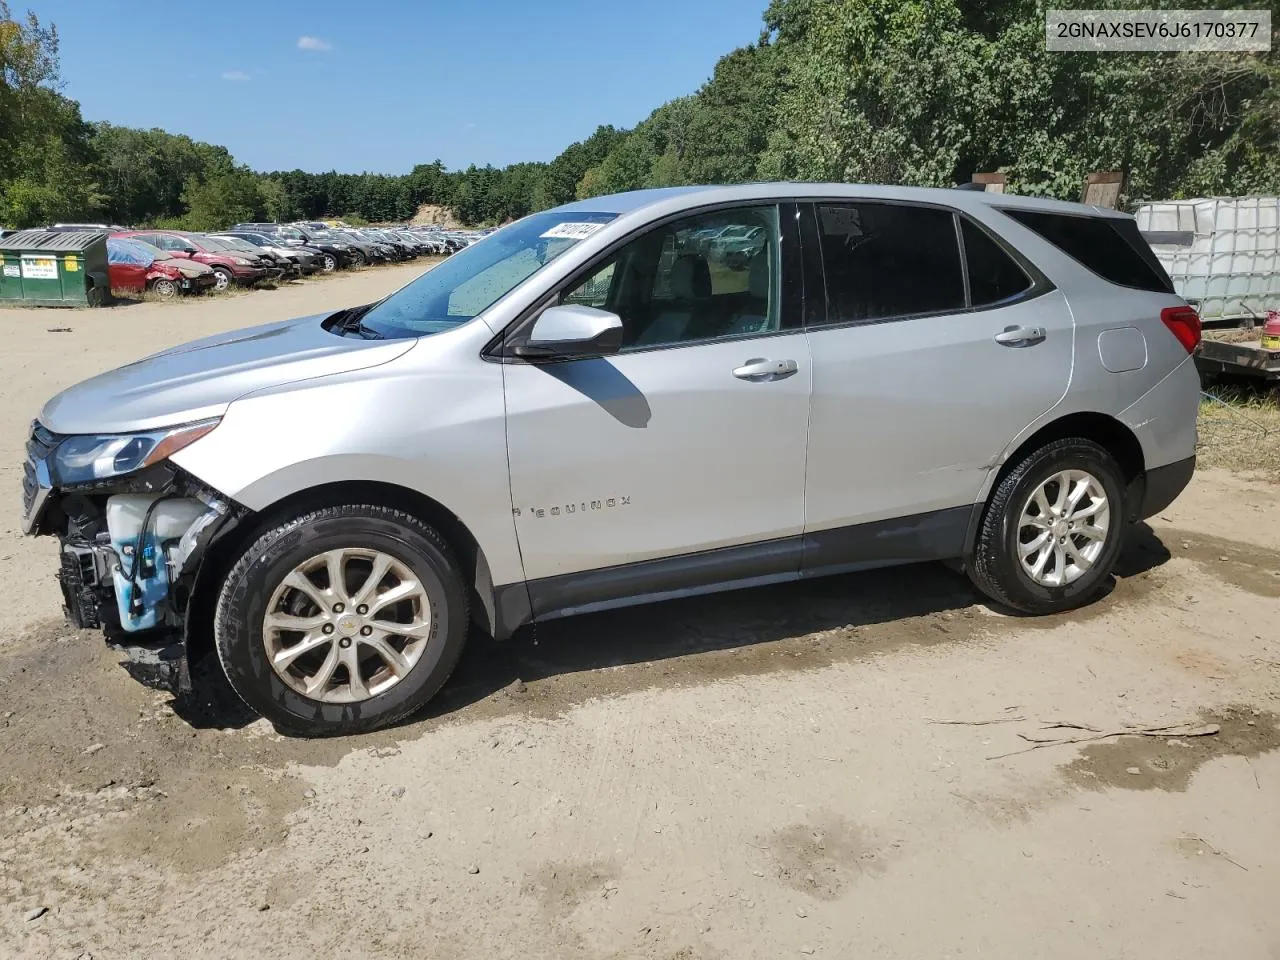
(188, 268)
(200, 379)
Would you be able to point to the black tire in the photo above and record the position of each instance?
(328, 263)
(995, 568)
(358, 258)
(238, 621)
(225, 279)
(165, 289)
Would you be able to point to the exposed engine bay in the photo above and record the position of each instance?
(130, 548)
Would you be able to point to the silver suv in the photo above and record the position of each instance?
(598, 405)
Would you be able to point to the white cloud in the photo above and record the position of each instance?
(314, 43)
(238, 76)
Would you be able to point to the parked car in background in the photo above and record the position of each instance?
(325, 261)
(354, 251)
(437, 245)
(398, 247)
(1001, 381)
(291, 262)
(416, 243)
(363, 250)
(230, 268)
(341, 248)
(137, 267)
(274, 267)
(737, 245)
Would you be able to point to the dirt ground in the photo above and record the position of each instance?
(860, 766)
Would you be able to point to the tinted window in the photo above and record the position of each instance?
(993, 274)
(702, 278)
(1111, 248)
(166, 241)
(889, 260)
(472, 280)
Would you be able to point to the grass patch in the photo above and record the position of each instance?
(1240, 430)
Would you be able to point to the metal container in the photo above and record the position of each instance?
(54, 269)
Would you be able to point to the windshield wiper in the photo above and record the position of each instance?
(349, 321)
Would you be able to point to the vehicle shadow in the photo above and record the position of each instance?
(914, 604)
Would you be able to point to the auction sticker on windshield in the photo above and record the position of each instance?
(572, 231)
(39, 268)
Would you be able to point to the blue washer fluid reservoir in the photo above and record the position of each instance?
(140, 598)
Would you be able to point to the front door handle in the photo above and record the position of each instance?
(758, 369)
(1020, 336)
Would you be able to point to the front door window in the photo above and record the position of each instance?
(704, 278)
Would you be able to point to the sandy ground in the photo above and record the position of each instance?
(845, 768)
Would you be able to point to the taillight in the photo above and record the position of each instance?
(1184, 323)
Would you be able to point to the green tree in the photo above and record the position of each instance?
(221, 200)
(47, 169)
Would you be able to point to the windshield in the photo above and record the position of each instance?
(474, 279)
(236, 243)
(209, 243)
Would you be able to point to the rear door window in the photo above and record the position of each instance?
(994, 276)
(1110, 247)
(166, 241)
(887, 260)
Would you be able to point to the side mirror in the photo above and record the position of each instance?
(190, 251)
(570, 332)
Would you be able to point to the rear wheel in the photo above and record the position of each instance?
(341, 621)
(223, 279)
(1052, 529)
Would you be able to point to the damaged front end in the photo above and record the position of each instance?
(133, 529)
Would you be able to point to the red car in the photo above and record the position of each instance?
(136, 266)
(228, 267)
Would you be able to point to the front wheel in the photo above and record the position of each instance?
(329, 263)
(1052, 529)
(164, 289)
(223, 279)
(341, 621)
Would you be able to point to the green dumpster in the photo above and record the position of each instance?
(51, 269)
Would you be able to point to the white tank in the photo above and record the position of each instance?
(169, 520)
(1222, 252)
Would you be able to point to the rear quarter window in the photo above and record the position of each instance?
(1110, 247)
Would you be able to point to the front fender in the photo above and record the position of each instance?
(442, 436)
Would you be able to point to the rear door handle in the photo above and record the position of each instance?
(759, 369)
(1020, 336)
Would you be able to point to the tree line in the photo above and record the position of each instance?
(923, 92)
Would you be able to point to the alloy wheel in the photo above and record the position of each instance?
(1063, 528)
(347, 625)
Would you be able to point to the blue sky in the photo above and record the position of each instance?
(381, 85)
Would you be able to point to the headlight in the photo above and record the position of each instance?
(241, 261)
(84, 459)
